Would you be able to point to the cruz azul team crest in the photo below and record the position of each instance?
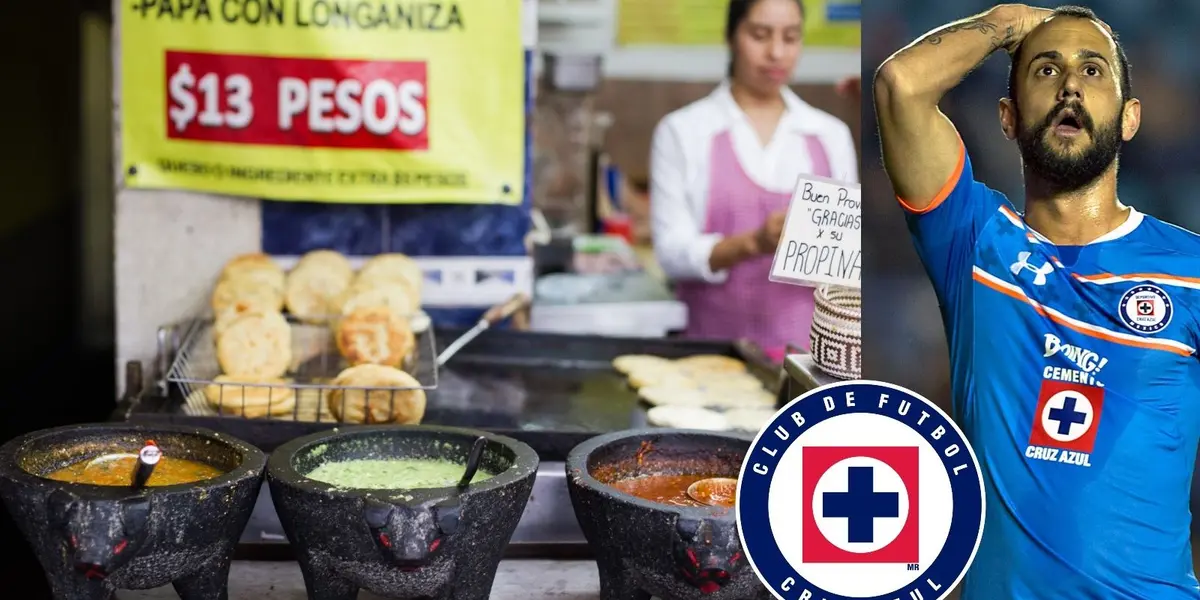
(860, 490)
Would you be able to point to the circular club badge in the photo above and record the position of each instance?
(860, 490)
(1146, 308)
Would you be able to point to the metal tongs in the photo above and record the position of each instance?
(148, 457)
(494, 315)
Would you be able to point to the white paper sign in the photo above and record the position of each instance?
(822, 235)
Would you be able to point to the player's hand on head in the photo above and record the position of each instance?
(1027, 17)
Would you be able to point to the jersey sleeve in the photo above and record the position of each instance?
(945, 231)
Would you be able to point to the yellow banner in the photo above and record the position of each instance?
(325, 100)
(830, 23)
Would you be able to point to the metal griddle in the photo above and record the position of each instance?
(551, 391)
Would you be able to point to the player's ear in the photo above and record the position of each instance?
(1131, 118)
(1008, 118)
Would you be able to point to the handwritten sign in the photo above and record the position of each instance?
(822, 235)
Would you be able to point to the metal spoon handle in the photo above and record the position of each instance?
(147, 459)
(473, 461)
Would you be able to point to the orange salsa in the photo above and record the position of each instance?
(117, 470)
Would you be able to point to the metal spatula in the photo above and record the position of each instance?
(494, 315)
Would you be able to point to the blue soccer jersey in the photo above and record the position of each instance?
(1075, 377)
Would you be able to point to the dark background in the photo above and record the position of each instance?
(51, 371)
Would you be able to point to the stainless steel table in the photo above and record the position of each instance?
(804, 375)
(516, 580)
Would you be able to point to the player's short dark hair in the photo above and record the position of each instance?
(1078, 12)
(738, 9)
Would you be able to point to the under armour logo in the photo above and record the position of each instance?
(1039, 273)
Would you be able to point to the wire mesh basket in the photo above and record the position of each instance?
(306, 392)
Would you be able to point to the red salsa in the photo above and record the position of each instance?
(664, 489)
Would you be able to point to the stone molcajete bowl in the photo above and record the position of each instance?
(645, 548)
(397, 543)
(92, 540)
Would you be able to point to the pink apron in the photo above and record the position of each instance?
(748, 304)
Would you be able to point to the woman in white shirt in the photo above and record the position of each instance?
(722, 171)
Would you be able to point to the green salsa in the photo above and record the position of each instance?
(393, 474)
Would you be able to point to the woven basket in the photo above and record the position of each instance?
(836, 336)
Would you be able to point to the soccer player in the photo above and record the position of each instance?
(1072, 328)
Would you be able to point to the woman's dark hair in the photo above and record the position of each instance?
(738, 9)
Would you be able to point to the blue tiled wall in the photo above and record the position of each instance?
(293, 228)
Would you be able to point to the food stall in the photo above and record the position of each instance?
(551, 391)
(555, 394)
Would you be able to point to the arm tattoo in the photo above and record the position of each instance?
(999, 40)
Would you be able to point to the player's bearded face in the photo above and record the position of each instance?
(1069, 164)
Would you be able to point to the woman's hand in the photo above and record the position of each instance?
(767, 237)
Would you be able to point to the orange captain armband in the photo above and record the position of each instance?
(946, 188)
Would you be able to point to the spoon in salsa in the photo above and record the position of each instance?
(714, 491)
(473, 459)
(147, 458)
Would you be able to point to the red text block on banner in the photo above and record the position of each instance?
(304, 102)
